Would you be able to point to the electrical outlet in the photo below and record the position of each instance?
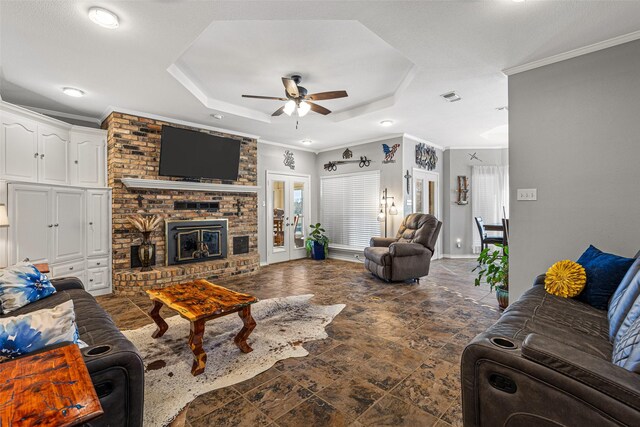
(527, 194)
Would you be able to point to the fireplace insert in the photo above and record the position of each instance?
(195, 241)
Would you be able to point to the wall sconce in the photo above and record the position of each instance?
(4, 216)
(386, 209)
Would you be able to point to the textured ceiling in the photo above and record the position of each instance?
(460, 46)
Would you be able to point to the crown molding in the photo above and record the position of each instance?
(478, 147)
(279, 144)
(112, 109)
(424, 141)
(62, 114)
(573, 53)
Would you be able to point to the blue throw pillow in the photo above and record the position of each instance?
(604, 274)
(22, 284)
(33, 331)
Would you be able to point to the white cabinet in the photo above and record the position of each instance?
(87, 158)
(31, 226)
(98, 226)
(18, 148)
(53, 155)
(98, 279)
(69, 221)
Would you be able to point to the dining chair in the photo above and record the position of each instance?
(484, 239)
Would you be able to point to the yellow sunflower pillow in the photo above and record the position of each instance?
(565, 279)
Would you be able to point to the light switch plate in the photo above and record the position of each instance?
(527, 194)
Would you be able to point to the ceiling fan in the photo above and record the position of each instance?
(298, 99)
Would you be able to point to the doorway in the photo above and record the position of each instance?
(426, 197)
(288, 212)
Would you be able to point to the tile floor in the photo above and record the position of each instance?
(392, 356)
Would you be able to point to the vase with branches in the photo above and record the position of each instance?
(145, 224)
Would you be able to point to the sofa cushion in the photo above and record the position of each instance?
(29, 332)
(626, 348)
(378, 255)
(623, 298)
(22, 284)
(604, 274)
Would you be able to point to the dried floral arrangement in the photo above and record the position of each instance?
(145, 224)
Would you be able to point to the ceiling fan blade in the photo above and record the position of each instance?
(318, 109)
(328, 95)
(265, 97)
(291, 87)
(278, 112)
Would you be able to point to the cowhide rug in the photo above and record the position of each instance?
(283, 325)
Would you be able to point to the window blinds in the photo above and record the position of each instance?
(349, 205)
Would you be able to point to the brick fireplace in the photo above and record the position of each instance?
(133, 151)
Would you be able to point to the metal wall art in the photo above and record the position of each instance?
(347, 154)
(289, 160)
(333, 166)
(426, 156)
(389, 152)
(463, 190)
(408, 177)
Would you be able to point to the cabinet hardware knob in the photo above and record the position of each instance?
(91, 280)
(50, 225)
(42, 156)
(76, 162)
(35, 156)
(97, 263)
(55, 225)
(91, 223)
(70, 268)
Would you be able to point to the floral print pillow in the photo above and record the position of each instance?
(22, 284)
(33, 331)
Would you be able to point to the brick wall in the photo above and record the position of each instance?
(133, 151)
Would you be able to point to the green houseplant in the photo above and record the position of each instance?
(317, 243)
(493, 266)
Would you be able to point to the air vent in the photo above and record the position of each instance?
(451, 96)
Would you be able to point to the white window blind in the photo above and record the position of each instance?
(349, 206)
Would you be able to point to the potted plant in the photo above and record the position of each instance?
(145, 225)
(317, 243)
(493, 266)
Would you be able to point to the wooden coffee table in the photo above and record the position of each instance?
(199, 301)
(51, 388)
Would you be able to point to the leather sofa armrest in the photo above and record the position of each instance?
(539, 281)
(400, 249)
(599, 374)
(67, 283)
(383, 242)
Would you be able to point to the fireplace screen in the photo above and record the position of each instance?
(194, 241)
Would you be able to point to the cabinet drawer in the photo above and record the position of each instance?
(98, 262)
(68, 269)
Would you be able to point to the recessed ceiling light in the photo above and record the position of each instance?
(71, 91)
(306, 142)
(104, 18)
(386, 123)
(217, 116)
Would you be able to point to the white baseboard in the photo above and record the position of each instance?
(463, 256)
(346, 258)
(263, 263)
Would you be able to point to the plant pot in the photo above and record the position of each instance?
(318, 251)
(145, 252)
(502, 295)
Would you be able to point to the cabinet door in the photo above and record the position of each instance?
(68, 224)
(88, 163)
(53, 146)
(98, 279)
(31, 227)
(98, 212)
(18, 148)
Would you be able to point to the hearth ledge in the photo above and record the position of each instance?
(160, 184)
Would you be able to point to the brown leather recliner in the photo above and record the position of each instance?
(408, 255)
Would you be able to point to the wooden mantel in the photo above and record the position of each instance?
(161, 184)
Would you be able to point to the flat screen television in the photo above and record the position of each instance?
(192, 154)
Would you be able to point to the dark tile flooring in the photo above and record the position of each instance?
(392, 356)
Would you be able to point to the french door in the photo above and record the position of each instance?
(288, 209)
(426, 198)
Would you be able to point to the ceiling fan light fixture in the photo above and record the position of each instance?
(289, 107)
(303, 109)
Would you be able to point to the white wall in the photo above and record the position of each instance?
(574, 134)
(271, 158)
(458, 219)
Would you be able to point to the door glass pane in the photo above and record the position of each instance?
(278, 214)
(298, 215)
(419, 199)
(432, 202)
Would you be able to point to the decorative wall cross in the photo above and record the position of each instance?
(407, 176)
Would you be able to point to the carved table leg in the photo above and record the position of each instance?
(195, 342)
(249, 325)
(155, 315)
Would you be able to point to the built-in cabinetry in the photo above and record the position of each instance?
(53, 176)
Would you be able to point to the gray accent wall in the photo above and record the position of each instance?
(574, 134)
(458, 219)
